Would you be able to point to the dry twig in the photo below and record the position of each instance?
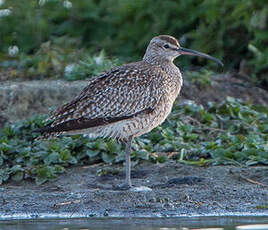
(253, 181)
(67, 202)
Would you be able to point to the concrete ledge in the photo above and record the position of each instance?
(20, 100)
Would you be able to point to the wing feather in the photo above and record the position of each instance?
(121, 93)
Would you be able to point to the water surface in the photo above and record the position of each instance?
(180, 223)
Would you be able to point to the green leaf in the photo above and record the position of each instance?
(107, 158)
(1, 160)
(72, 160)
(142, 154)
(59, 169)
(113, 147)
(4, 175)
(40, 180)
(18, 176)
(53, 157)
(91, 153)
(16, 168)
(162, 159)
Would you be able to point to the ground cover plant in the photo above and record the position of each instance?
(230, 132)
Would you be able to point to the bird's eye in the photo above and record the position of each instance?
(166, 46)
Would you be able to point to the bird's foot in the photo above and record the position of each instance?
(140, 189)
(123, 186)
(127, 187)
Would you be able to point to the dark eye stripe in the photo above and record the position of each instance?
(166, 46)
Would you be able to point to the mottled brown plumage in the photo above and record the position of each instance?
(126, 101)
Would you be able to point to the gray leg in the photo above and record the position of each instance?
(127, 185)
(128, 163)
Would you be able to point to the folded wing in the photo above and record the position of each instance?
(118, 94)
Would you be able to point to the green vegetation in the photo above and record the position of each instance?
(62, 32)
(90, 66)
(202, 77)
(231, 132)
(262, 206)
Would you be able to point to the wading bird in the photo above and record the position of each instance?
(126, 101)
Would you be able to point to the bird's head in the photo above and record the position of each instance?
(168, 48)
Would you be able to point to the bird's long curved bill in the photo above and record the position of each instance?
(185, 51)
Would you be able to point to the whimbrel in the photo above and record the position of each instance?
(126, 101)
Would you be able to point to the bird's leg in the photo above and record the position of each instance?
(128, 163)
(127, 185)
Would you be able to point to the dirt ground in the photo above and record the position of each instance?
(177, 190)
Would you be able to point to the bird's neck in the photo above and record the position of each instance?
(170, 68)
(157, 60)
(174, 80)
(165, 64)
